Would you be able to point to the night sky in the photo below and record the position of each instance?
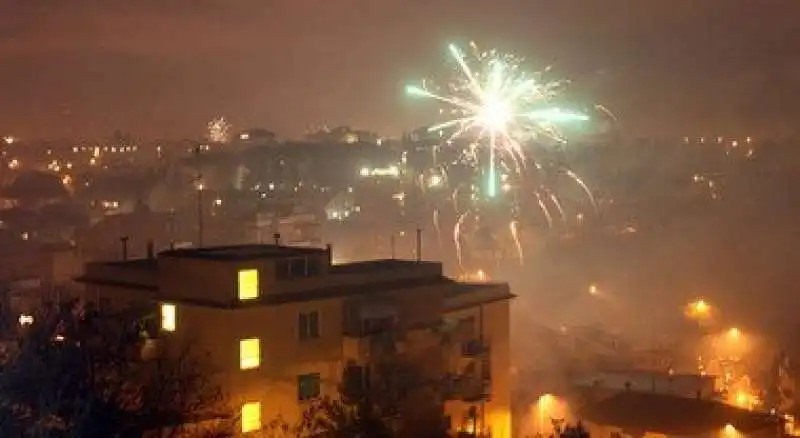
(165, 67)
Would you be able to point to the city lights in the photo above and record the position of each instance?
(389, 171)
(25, 319)
(435, 181)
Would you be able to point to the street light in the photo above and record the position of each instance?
(734, 334)
(698, 309)
(545, 400)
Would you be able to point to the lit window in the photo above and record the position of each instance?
(168, 317)
(249, 353)
(248, 284)
(25, 319)
(251, 417)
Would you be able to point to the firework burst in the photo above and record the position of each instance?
(496, 107)
(219, 130)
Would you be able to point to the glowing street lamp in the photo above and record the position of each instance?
(545, 400)
(698, 310)
(734, 334)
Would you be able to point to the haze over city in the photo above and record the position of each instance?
(164, 68)
(442, 218)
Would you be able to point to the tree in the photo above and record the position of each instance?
(394, 394)
(81, 374)
(33, 188)
(328, 418)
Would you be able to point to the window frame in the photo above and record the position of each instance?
(316, 378)
(251, 407)
(246, 362)
(304, 325)
(240, 276)
(169, 325)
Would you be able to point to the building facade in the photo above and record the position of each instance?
(284, 326)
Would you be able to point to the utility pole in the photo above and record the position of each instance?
(199, 186)
(124, 242)
(419, 244)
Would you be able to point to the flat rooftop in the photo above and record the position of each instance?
(242, 252)
(381, 265)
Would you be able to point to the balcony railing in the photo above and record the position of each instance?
(363, 346)
(474, 348)
(468, 388)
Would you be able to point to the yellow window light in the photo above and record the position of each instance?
(248, 284)
(249, 353)
(251, 417)
(169, 317)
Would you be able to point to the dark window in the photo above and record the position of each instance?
(297, 268)
(308, 325)
(307, 386)
(105, 305)
(314, 268)
(373, 326)
(282, 270)
(355, 381)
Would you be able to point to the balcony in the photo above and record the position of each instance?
(468, 388)
(361, 347)
(474, 349)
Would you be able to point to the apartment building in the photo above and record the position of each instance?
(285, 325)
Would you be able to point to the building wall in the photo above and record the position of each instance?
(205, 279)
(496, 334)
(215, 328)
(662, 383)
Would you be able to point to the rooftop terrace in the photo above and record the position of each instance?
(242, 252)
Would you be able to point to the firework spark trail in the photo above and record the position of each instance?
(607, 112)
(585, 188)
(501, 103)
(545, 210)
(557, 203)
(436, 226)
(457, 238)
(497, 106)
(514, 228)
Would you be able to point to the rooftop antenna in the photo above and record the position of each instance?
(124, 243)
(419, 244)
(199, 187)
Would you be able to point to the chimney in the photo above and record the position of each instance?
(277, 238)
(419, 244)
(329, 249)
(124, 243)
(151, 254)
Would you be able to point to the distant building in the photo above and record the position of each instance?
(285, 325)
(613, 382)
(32, 275)
(631, 414)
